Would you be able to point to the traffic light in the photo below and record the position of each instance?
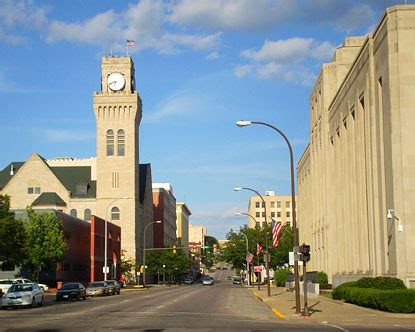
(141, 269)
(174, 249)
(215, 248)
(305, 252)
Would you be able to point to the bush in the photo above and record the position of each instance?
(323, 280)
(280, 276)
(339, 291)
(381, 283)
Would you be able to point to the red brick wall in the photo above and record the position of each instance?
(158, 214)
(97, 249)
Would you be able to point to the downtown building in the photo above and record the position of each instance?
(112, 185)
(278, 207)
(356, 178)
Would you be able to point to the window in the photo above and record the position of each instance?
(37, 190)
(288, 214)
(273, 204)
(257, 214)
(263, 214)
(278, 214)
(81, 189)
(257, 204)
(287, 204)
(272, 214)
(110, 143)
(115, 213)
(288, 224)
(278, 204)
(74, 213)
(87, 215)
(34, 190)
(121, 143)
(30, 190)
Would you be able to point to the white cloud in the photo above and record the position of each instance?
(232, 14)
(212, 56)
(242, 70)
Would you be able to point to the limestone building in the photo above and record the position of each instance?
(360, 161)
(278, 208)
(182, 220)
(113, 186)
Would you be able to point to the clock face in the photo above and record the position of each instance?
(116, 81)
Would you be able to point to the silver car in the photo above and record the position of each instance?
(23, 295)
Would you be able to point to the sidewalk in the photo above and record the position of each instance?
(327, 311)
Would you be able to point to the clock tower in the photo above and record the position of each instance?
(117, 109)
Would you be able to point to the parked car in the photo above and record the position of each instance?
(188, 280)
(97, 288)
(25, 281)
(117, 286)
(5, 284)
(74, 290)
(208, 281)
(29, 294)
(111, 288)
(236, 280)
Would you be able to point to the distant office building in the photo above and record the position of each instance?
(278, 208)
(360, 162)
(164, 209)
(182, 220)
(197, 234)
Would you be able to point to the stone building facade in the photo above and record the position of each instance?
(360, 162)
(182, 220)
(112, 185)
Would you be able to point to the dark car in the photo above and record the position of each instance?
(98, 288)
(70, 291)
(117, 287)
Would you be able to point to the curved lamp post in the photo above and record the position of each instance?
(144, 249)
(266, 236)
(106, 235)
(244, 123)
(247, 251)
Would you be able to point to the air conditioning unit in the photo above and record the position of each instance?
(269, 193)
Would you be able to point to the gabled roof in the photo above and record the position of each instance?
(5, 173)
(72, 176)
(46, 198)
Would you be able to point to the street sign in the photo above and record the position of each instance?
(257, 268)
(103, 269)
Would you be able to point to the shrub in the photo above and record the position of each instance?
(280, 276)
(323, 280)
(381, 283)
(339, 291)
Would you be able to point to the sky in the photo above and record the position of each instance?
(200, 67)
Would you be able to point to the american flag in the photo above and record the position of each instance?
(130, 42)
(258, 249)
(249, 257)
(277, 228)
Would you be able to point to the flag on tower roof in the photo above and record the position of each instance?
(130, 42)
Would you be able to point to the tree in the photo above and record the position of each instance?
(45, 239)
(175, 264)
(13, 248)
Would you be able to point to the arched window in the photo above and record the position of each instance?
(115, 213)
(73, 213)
(110, 142)
(121, 142)
(87, 215)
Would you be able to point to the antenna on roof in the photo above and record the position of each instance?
(11, 169)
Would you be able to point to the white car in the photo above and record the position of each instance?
(23, 294)
(5, 284)
(27, 281)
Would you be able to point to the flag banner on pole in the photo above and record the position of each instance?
(277, 228)
(258, 249)
(249, 257)
(130, 42)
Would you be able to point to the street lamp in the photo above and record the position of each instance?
(247, 214)
(144, 250)
(266, 236)
(244, 123)
(247, 251)
(106, 235)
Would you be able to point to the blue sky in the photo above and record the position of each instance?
(200, 66)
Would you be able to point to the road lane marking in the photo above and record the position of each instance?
(278, 313)
(337, 327)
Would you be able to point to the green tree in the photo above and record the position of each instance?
(45, 239)
(279, 255)
(13, 248)
(175, 264)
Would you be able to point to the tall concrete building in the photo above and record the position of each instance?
(360, 162)
(197, 234)
(164, 205)
(113, 185)
(182, 220)
(278, 208)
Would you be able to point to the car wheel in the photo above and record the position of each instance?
(33, 302)
(4, 307)
(78, 297)
(41, 301)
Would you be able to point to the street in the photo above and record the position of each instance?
(222, 306)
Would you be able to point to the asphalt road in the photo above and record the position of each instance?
(221, 307)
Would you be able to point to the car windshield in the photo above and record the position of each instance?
(20, 288)
(70, 286)
(97, 284)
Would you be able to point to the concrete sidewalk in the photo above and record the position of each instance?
(327, 311)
